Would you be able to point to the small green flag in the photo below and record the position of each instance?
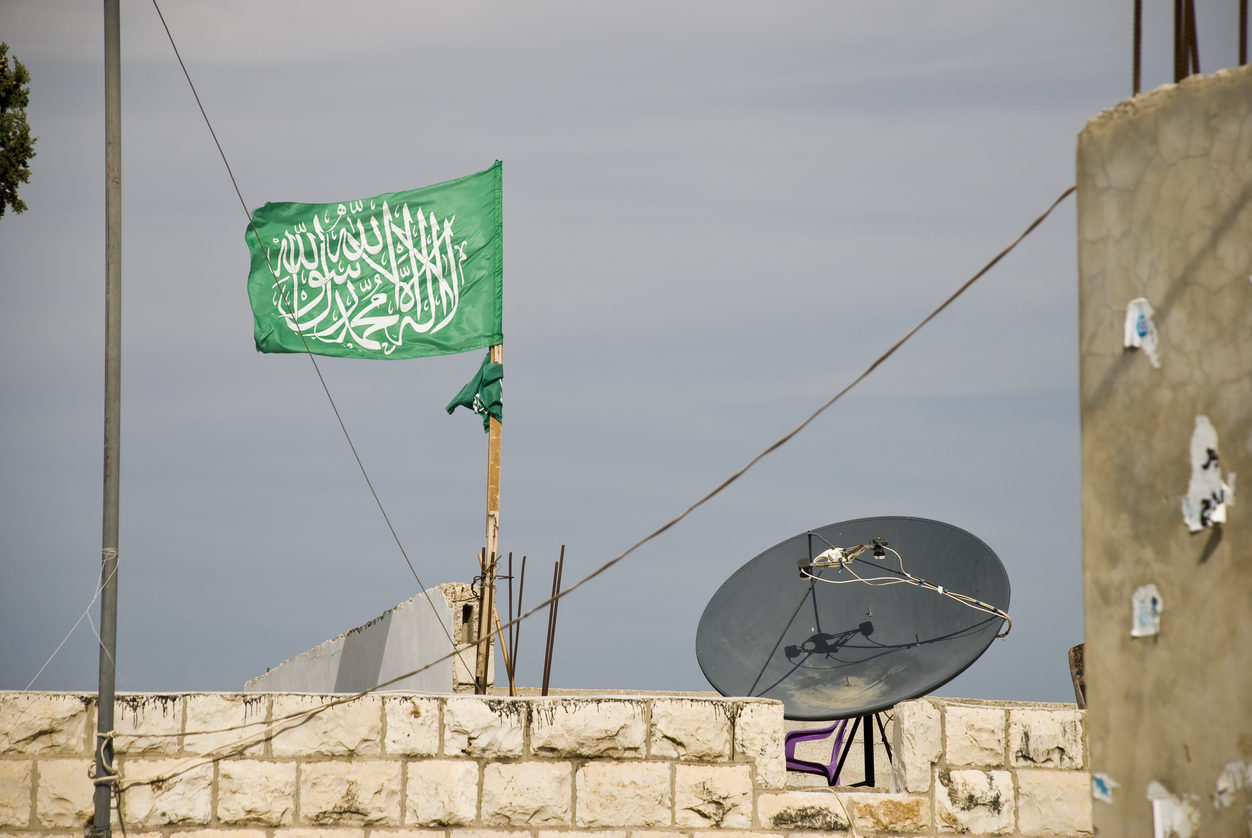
(483, 393)
(401, 275)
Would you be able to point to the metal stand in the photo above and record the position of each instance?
(832, 770)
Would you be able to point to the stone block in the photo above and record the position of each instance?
(690, 729)
(758, 732)
(219, 833)
(489, 833)
(716, 796)
(1054, 803)
(483, 727)
(918, 743)
(309, 725)
(228, 723)
(64, 794)
(148, 724)
(907, 814)
(441, 792)
(412, 726)
(256, 792)
(341, 793)
(1042, 738)
(587, 728)
(970, 800)
(623, 794)
(342, 832)
(974, 735)
(15, 792)
(167, 792)
(44, 723)
(527, 794)
(802, 811)
(600, 833)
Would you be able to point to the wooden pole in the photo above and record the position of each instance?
(486, 605)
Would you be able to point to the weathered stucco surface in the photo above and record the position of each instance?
(1165, 213)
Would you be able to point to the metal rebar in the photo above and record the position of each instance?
(557, 572)
(517, 627)
(1179, 67)
(1193, 41)
(1138, 38)
(1243, 32)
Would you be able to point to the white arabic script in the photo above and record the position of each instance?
(368, 279)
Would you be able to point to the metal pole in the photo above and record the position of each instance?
(1179, 60)
(1138, 39)
(112, 413)
(1243, 32)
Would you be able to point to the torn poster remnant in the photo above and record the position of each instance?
(1102, 786)
(1172, 817)
(1208, 494)
(1235, 777)
(1146, 605)
(1139, 331)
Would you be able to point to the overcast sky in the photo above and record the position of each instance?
(716, 214)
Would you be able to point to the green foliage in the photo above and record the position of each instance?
(17, 146)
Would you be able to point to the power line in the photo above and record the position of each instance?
(312, 358)
(302, 717)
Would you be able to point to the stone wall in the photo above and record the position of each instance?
(295, 766)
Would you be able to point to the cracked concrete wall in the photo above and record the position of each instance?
(1165, 214)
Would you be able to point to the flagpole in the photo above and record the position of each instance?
(487, 603)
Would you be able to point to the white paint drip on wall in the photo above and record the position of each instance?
(1208, 494)
(1139, 331)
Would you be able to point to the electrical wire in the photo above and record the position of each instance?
(302, 717)
(287, 303)
(907, 578)
(77, 623)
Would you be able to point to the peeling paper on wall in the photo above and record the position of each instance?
(1172, 817)
(1139, 331)
(1146, 611)
(1235, 777)
(1208, 494)
(1102, 786)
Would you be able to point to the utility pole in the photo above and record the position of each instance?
(112, 415)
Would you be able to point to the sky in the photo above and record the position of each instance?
(716, 215)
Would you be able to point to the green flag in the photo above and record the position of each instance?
(483, 393)
(401, 275)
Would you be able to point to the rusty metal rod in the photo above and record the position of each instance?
(1138, 47)
(1193, 40)
(557, 572)
(1243, 32)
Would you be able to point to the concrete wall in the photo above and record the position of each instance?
(290, 766)
(1165, 213)
(403, 640)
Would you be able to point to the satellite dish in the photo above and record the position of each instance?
(852, 618)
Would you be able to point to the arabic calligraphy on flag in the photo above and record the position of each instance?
(401, 275)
